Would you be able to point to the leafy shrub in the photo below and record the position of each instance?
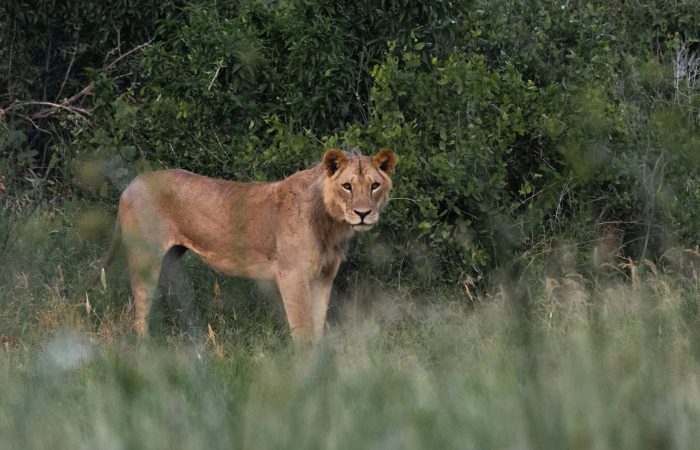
(514, 122)
(461, 121)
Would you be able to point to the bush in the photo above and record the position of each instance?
(514, 123)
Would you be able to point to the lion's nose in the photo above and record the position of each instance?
(362, 214)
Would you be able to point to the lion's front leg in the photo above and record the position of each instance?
(296, 296)
(320, 296)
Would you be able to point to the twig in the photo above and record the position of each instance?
(117, 49)
(216, 136)
(70, 66)
(54, 106)
(86, 90)
(47, 64)
(216, 74)
(44, 113)
(404, 198)
(29, 119)
(564, 190)
(9, 62)
(124, 55)
(310, 134)
(534, 194)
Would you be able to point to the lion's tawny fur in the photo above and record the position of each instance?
(292, 231)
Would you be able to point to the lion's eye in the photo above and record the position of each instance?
(347, 187)
(375, 186)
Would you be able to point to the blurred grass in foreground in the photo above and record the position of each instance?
(549, 362)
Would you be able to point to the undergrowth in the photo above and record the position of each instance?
(542, 359)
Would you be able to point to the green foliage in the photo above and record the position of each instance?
(48, 54)
(513, 121)
(463, 121)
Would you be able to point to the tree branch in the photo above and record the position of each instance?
(133, 50)
(69, 104)
(70, 66)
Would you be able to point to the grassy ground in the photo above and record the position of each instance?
(547, 362)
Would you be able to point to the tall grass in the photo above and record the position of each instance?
(541, 362)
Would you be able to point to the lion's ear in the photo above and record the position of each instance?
(385, 160)
(334, 160)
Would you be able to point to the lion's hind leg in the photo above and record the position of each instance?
(145, 258)
(177, 289)
(152, 271)
(148, 236)
(169, 268)
(144, 270)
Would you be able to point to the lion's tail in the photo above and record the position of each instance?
(113, 247)
(107, 259)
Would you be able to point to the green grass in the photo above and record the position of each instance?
(550, 362)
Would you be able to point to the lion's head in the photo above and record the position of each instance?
(356, 187)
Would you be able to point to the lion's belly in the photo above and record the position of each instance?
(242, 263)
(257, 270)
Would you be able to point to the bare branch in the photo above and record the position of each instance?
(70, 66)
(117, 49)
(12, 47)
(133, 50)
(65, 78)
(69, 103)
(47, 64)
(216, 74)
(34, 124)
(54, 106)
(85, 91)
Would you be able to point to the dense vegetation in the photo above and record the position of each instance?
(513, 121)
(533, 284)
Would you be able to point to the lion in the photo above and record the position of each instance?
(292, 231)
